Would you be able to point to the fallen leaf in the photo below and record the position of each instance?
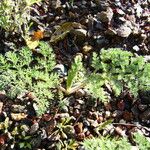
(63, 30)
(37, 35)
(32, 44)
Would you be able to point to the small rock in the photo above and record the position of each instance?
(69, 130)
(120, 131)
(99, 25)
(17, 108)
(124, 31)
(147, 58)
(120, 12)
(31, 95)
(77, 106)
(100, 40)
(18, 116)
(34, 128)
(136, 48)
(105, 16)
(145, 116)
(93, 123)
(60, 69)
(117, 113)
(86, 49)
(145, 97)
(43, 134)
(1, 107)
(2, 95)
(110, 31)
(36, 142)
(107, 114)
(80, 136)
(62, 115)
(80, 93)
(86, 122)
(142, 107)
(122, 121)
(78, 127)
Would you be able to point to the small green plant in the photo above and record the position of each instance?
(25, 72)
(142, 142)
(120, 69)
(115, 68)
(76, 76)
(15, 15)
(106, 143)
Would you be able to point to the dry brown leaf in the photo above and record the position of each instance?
(63, 30)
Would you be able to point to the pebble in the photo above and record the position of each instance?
(111, 31)
(1, 107)
(142, 107)
(107, 114)
(136, 48)
(78, 127)
(62, 115)
(17, 108)
(18, 116)
(2, 95)
(60, 69)
(34, 128)
(145, 116)
(69, 130)
(43, 134)
(105, 16)
(124, 31)
(36, 142)
(80, 93)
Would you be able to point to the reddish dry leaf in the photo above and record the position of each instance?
(46, 117)
(2, 139)
(78, 127)
(108, 106)
(100, 119)
(128, 116)
(37, 35)
(31, 95)
(80, 136)
(121, 105)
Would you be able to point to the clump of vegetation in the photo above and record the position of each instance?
(115, 68)
(15, 15)
(142, 142)
(106, 143)
(23, 71)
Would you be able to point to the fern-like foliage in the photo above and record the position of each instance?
(142, 142)
(106, 143)
(122, 70)
(23, 71)
(115, 68)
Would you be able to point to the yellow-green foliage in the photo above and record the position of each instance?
(22, 71)
(114, 67)
(15, 15)
(106, 143)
